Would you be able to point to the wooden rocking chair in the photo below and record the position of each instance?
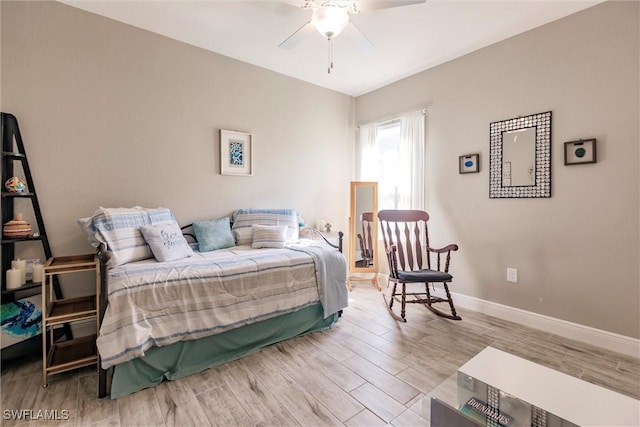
(405, 233)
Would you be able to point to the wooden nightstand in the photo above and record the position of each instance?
(67, 355)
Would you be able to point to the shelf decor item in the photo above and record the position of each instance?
(38, 272)
(21, 266)
(21, 320)
(236, 156)
(580, 152)
(14, 278)
(15, 185)
(469, 163)
(17, 228)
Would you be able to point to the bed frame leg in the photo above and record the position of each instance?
(102, 383)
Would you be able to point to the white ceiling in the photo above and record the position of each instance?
(408, 39)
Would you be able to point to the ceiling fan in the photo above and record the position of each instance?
(330, 17)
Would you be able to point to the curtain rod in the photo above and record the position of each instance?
(388, 119)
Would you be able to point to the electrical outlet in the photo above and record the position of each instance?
(512, 275)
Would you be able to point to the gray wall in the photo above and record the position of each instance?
(112, 115)
(577, 252)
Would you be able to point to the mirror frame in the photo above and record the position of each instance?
(542, 188)
(353, 227)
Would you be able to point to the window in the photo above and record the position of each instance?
(392, 153)
(392, 182)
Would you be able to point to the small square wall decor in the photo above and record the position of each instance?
(579, 152)
(236, 156)
(469, 163)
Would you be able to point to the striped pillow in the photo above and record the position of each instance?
(119, 228)
(269, 236)
(244, 219)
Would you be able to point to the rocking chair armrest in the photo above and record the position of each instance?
(448, 248)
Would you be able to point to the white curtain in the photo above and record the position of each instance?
(368, 153)
(399, 168)
(412, 149)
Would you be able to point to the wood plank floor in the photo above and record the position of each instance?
(366, 371)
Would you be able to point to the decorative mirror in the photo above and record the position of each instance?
(520, 157)
(363, 230)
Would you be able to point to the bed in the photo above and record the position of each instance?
(166, 319)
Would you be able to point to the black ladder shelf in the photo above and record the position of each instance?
(12, 153)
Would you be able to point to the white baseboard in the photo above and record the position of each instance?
(608, 340)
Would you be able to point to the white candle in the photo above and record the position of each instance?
(21, 265)
(38, 273)
(14, 278)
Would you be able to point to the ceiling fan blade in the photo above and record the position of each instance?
(358, 38)
(300, 34)
(298, 3)
(368, 5)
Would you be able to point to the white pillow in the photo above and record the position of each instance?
(269, 236)
(166, 241)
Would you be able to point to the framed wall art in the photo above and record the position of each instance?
(236, 157)
(469, 163)
(579, 152)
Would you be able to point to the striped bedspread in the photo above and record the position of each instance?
(156, 304)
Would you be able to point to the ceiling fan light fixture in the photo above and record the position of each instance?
(330, 20)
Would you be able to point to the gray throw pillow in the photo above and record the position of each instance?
(213, 234)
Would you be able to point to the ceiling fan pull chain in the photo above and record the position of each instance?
(330, 57)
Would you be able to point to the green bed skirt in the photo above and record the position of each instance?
(184, 358)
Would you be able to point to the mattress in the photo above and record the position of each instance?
(154, 304)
